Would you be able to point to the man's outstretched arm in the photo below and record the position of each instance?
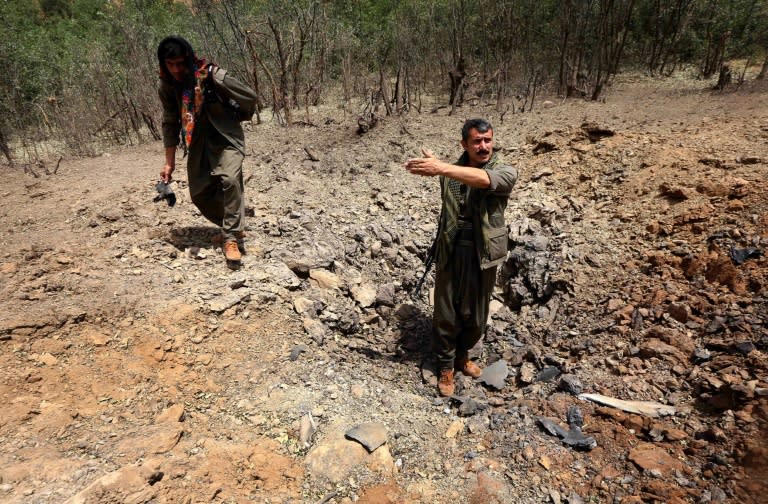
(430, 166)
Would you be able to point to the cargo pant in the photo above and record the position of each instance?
(462, 296)
(215, 173)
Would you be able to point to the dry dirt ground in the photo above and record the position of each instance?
(136, 367)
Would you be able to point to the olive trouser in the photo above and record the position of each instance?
(462, 295)
(215, 173)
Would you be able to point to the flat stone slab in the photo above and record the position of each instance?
(325, 279)
(277, 273)
(335, 457)
(226, 301)
(132, 483)
(495, 375)
(365, 294)
(650, 457)
(650, 409)
(371, 435)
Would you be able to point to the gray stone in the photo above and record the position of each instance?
(226, 301)
(548, 373)
(277, 273)
(348, 321)
(306, 256)
(386, 295)
(573, 437)
(715, 495)
(429, 374)
(315, 329)
(701, 355)
(260, 297)
(371, 435)
(296, 351)
(237, 283)
(571, 384)
(470, 407)
(575, 417)
(495, 375)
(745, 347)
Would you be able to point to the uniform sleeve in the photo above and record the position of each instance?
(232, 89)
(171, 124)
(503, 178)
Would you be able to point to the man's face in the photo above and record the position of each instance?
(479, 147)
(177, 67)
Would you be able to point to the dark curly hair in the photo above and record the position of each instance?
(173, 47)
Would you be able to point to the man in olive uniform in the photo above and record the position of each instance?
(471, 243)
(205, 105)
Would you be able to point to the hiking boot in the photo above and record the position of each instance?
(218, 239)
(231, 251)
(445, 384)
(467, 367)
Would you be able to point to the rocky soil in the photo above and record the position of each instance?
(136, 367)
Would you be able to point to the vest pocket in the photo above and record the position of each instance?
(497, 244)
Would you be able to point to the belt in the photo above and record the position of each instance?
(465, 235)
(464, 224)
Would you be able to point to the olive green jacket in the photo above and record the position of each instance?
(237, 103)
(486, 208)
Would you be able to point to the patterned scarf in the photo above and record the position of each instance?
(192, 103)
(453, 200)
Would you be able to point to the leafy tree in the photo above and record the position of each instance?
(79, 73)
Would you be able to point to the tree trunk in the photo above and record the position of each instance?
(259, 102)
(565, 29)
(724, 78)
(457, 77)
(499, 92)
(399, 84)
(457, 82)
(4, 148)
(384, 90)
(282, 58)
(273, 85)
(764, 70)
(305, 27)
(613, 26)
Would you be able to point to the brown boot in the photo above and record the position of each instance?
(231, 251)
(467, 367)
(218, 239)
(445, 383)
